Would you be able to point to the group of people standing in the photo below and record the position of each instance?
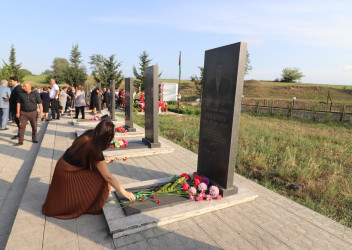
(68, 196)
(22, 103)
(106, 98)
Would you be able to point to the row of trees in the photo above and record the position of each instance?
(103, 69)
(72, 72)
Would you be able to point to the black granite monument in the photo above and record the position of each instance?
(151, 89)
(129, 105)
(220, 117)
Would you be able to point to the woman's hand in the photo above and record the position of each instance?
(110, 159)
(129, 195)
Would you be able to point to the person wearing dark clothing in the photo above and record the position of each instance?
(46, 100)
(82, 179)
(94, 100)
(105, 98)
(16, 90)
(54, 100)
(27, 110)
(71, 102)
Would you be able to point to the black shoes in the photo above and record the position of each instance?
(19, 144)
(34, 141)
(14, 137)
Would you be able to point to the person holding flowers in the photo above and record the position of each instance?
(81, 180)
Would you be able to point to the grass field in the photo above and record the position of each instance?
(37, 81)
(303, 92)
(305, 161)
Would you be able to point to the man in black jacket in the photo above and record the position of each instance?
(16, 90)
(27, 102)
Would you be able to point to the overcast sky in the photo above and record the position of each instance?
(315, 36)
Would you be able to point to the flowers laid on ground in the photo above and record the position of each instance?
(119, 143)
(163, 106)
(193, 187)
(121, 129)
(95, 118)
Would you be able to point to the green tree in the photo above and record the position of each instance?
(143, 63)
(198, 81)
(248, 67)
(58, 71)
(12, 68)
(106, 69)
(47, 72)
(291, 75)
(96, 62)
(4, 74)
(59, 65)
(75, 73)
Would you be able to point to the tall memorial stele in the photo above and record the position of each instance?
(151, 89)
(220, 117)
(129, 105)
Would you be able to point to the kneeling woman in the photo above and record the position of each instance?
(80, 184)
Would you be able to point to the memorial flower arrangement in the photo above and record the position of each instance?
(95, 118)
(141, 106)
(118, 143)
(121, 129)
(193, 187)
(163, 106)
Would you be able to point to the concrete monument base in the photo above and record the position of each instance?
(138, 152)
(151, 144)
(121, 225)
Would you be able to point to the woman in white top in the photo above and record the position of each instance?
(80, 101)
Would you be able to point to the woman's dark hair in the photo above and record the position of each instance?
(89, 146)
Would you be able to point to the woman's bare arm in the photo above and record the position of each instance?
(105, 172)
(110, 159)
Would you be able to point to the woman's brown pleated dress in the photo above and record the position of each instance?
(75, 191)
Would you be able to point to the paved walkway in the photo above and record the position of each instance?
(270, 222)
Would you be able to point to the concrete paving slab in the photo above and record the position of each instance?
(270, 222)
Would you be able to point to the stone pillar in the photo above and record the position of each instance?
(129, 105)
(220, 117)
(112, 103)
(151, 89)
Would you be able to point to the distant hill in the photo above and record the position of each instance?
(303, 92)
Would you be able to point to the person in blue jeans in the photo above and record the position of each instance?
(5, 94)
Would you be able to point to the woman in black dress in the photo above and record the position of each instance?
(70, 104)
(94, 100)
(45, 99)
